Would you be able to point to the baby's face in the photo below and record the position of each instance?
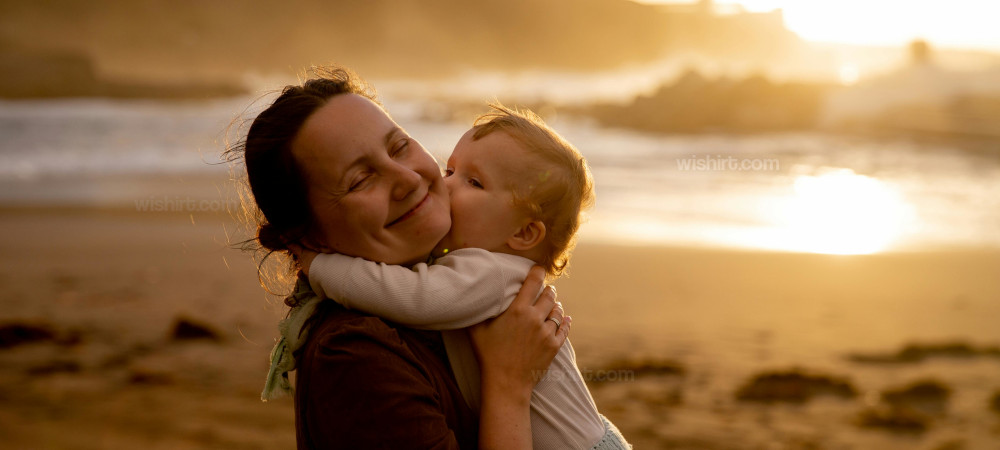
(479, 177)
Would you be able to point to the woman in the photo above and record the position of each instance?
(331, 171)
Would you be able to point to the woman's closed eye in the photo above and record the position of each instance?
(398, 148)
(360, 182)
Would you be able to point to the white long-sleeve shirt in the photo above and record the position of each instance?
(461, 289)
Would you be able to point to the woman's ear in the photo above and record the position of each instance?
(530, 235)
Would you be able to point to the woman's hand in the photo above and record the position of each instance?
(304, 256)
(515, 348)
(514, 351)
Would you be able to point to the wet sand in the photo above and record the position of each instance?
(667, 337)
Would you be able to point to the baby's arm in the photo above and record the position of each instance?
(460, 289)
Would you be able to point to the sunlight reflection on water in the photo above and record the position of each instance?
(828, 193)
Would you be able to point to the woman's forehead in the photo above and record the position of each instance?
(347, 127)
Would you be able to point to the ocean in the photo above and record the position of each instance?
(796, 191)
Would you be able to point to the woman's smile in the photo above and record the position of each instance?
(400, 210)
(413, 211)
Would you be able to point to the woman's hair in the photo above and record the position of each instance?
(279, 207)
(564, 187)
(274, 176)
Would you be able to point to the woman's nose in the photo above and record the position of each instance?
(405, 181)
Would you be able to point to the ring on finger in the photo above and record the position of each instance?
(555, 321)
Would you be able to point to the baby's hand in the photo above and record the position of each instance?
(304, 256)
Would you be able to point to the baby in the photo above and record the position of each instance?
(517, 190)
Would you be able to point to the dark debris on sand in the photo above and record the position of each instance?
(149, 377)
(995, 402)
(54, 367)
(186, 329)
(915, 352)
(894, 419)
(793, 386)
(926, 396)
(20, 333)
(907, 409)
(633, 369)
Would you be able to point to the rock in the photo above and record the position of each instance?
(695, 104)
(793, 386)
(914, 353)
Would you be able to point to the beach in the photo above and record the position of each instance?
(794, 245)
(148, 329)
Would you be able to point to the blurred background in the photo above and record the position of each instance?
(795, 245)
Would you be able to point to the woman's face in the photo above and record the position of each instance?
(374, 191)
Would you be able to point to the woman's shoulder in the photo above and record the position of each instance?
(353, 359)
(361, 337)
(336, 326)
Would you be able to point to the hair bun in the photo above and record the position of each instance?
(270, 238)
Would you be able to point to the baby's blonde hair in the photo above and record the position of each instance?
(564, 188)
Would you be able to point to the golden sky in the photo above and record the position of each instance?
(969, 24)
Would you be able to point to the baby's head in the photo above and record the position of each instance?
(517, 187)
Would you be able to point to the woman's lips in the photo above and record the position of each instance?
(411, 212)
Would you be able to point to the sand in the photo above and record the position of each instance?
(666, 336)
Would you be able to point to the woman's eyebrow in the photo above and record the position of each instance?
(391, 134)
(364, 158)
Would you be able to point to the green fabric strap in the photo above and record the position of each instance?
(293, 336)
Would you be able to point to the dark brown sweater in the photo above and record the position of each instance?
(363, 383)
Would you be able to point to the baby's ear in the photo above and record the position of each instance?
(530, 235)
